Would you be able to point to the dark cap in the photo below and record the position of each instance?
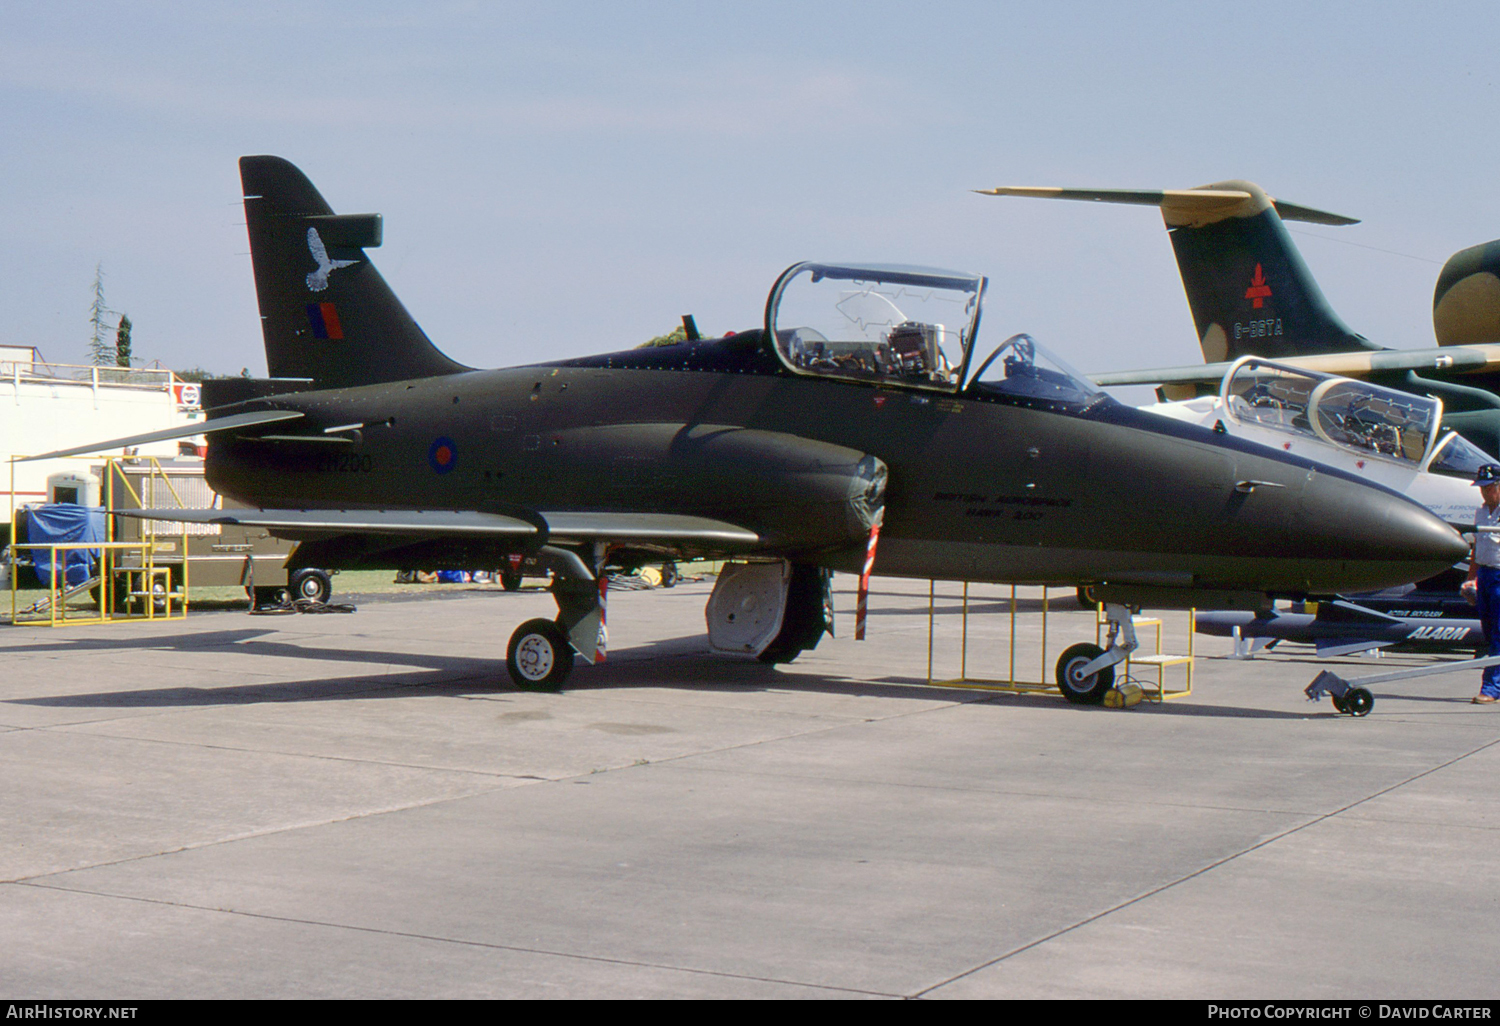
(1488, 474)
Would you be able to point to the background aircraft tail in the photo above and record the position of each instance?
(1249, 291)
(1248, 288)
(1466, 303)
(326, 312)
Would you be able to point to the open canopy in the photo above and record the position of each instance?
(909, 325)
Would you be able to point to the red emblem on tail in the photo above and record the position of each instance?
(1258, 290)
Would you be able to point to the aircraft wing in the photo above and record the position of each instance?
(347, 521)
(658, 528)
(647, 527)
(202, 427)
(1353, 364)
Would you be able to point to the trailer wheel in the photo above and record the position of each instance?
(311, 584)
(271, 597)
(1358, 702)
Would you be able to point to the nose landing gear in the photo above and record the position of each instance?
(1086, 672)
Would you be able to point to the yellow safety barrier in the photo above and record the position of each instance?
(1040, 685)
(1009, 683)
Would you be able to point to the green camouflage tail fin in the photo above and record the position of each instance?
(326, 312)
(1249, 291)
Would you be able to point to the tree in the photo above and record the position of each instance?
(101, 353)
(671, 338)
(122, 342)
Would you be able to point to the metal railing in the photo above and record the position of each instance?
(19, 372)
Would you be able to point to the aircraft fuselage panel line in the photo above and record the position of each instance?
(781, 464)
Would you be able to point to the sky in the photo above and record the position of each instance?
(565, 178)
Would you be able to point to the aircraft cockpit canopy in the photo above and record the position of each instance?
(873, 322)
(1456, 456)
(1354, 415)
(1022, 369)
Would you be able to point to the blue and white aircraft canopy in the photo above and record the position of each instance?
(1353, 415)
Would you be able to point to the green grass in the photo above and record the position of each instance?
(346, 585)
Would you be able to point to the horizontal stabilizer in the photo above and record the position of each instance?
(1191, 204)
(205, 427)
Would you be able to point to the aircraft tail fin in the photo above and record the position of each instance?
(327, 314)
(1248, 288)
(1466, 302)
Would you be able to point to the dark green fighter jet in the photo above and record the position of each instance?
(860, 409)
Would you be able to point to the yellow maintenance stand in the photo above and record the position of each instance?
(124, 584)
(1024, 683)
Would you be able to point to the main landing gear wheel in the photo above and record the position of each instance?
(539, 657)
(1079, 689)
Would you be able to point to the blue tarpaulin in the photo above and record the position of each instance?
(63, 524)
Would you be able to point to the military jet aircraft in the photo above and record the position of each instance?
(1251, 294)
(859, 409)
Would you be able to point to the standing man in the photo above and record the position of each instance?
(1483, 584)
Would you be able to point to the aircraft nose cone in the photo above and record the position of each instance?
(1372, 538)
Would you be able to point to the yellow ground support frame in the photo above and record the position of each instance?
(146, 584)
(1157, 658)
(1011, 684)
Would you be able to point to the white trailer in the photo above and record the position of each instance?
(44, 407)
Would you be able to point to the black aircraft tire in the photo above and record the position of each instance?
(779, 653)
(1089, 690)
(311, 584)
(510, 580)
(1358, 702)
(539, 657)
(1338, 703)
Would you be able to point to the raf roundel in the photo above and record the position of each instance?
(442, 455)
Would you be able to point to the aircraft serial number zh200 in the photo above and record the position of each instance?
(860, 402)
